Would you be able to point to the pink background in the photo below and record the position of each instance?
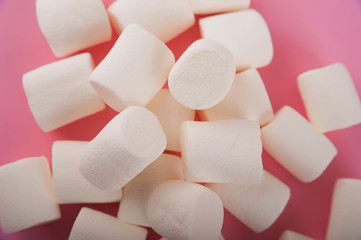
(306, 34)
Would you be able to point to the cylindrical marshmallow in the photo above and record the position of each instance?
(227, 151)
(134, 70)
(290, 235)
(297, 145)
(247, 99)
(181, 210)
(345, 216)
(217, 6)
(94, 225)
(60, 93)
(171, 115)
(133, 207)
(163, 18)
(244, 33)
(69, 184)
(124, 147)
(256, 205)
(26, 195)
(70, 26)
(330, 97)
(203, 75)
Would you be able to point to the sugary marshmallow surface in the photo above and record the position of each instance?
(247, 99)
(292, 141)
(60, 92)
(171, 115)
(227, 151)
(290, 235)
(244, 33)
(203, 75)
(217, 6)
(70, 26)
(133, 207)
(256, 205)
(95, 225)
(134, 70)
(181, 210)
(330, 97)
(124, 147)
(345, 216)
(26, 195)
(69, 184)
(163, 18)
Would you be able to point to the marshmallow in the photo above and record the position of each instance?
(217, 6)
(70, 26)
(244, 33)
(171, 115)
(256, 205)
(290, 235)
(26, 195)
(134, 70)
(133, 207)
(69, 185)
(203, 75)
(247, 99)
(330, 98)
(345, 217)
(163, 18)
(126, 146)
(181, 210)
(227, 151)
(297, 145)
(94, 225)
(60, 92)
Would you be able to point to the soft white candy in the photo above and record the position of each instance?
(70, 26)
(290, 235)
(256, 205)
(69, 185)
(297, 145)
(244, 33)
(163, 18)
(181, 210)
(247, 99)
(26, 195)
(133, 207)
(134, 70)
(203, 75)
(345, 216)
(171, 115)
(60, 93)
(124, 147)
(216, 6)
(330, 98)
(227, 151)
(94, 225)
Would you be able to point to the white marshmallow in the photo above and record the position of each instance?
(345, 216)
(217, 6)
(203, 75)
(330, 97)
(227, 151)
(297, 145)
(26, 195)
(181, 210)
(70, 26)
(134, 70)
(163, 18)
(290, 235)
(247, 99)
(60, 93)
(126, 146)
(94, 225)
(69, 185)
(171, 115)
(244, 33)
(133, 207)
(256, 205)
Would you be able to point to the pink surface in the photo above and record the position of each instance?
(306, 34)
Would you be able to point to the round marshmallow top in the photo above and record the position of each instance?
(290, 235)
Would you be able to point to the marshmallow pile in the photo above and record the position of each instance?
(216, 77)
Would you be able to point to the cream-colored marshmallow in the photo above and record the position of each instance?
(290, 235)
(217, 6)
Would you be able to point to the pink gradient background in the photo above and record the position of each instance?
(306, 34)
